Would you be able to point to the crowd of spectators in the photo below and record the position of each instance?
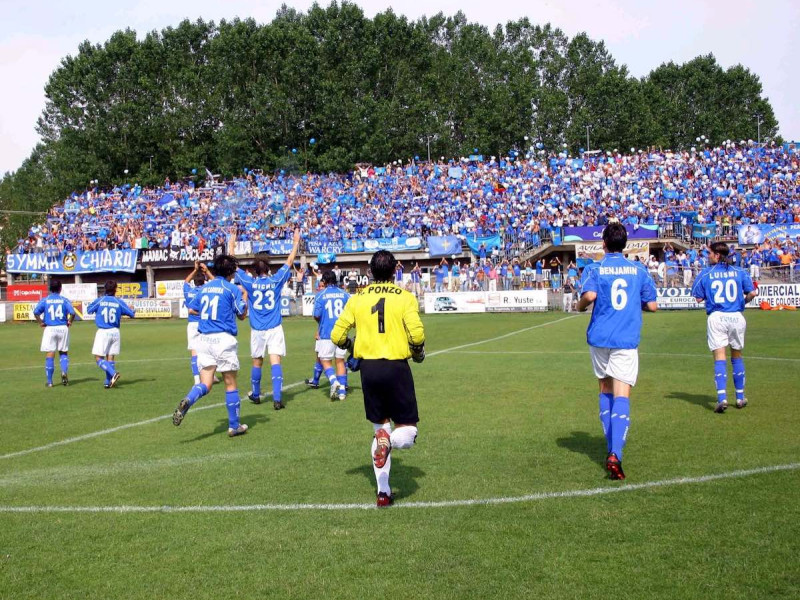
(519, 198)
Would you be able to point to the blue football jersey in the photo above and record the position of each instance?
(108, 311)
(218, 302)
(327, 307)
(622, 286)
(55, 309)
(264, 297)
(189, 292)
(723, 288)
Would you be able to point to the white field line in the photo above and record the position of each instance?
(95, 434)
(747, 356)
(586, 493)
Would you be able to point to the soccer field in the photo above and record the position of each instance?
(504, 494)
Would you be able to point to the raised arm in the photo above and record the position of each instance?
(295, 247)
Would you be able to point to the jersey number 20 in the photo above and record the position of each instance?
(724, 291)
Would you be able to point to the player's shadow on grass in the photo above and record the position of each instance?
(222, 427)
(124, 382)
(77, 381)
(703, 400)
(593, 446)
(403, 481)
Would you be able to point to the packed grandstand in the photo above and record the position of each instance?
(703, 192)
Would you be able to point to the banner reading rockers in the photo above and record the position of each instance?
(178, 256)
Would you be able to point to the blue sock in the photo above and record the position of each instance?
(620, 422)
(277, 382)
(232, 404)
(342, 381)
(721, 379)
(255, 380)
(195, 370)
(107, 366)
(317, 372)
(64, 359)
(605, 417)
(198, 391)
(737, 365)
(49, 368)
(113, 366)
(331, 375)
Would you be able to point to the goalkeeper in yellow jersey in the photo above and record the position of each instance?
(389, 333)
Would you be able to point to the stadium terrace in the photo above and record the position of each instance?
(523, 198)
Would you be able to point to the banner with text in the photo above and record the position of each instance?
(79, 292)
(760, 233)
(777, 294)
(179, 256)
(677, 298)
(588, 234)
(395, 244)
(132, 290)
(455, 302)
(26, 293)
(151, 308)
(171, 289)
(323, 247)
(69, 263)
(585, 251)
(272, 247)
(516, 301)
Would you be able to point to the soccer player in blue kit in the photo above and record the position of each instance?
(219, 303)
(328, 305)
(620, 290)
(54, 312)
(191, 287)
(266, 336)
(725, 290)
(109, 311)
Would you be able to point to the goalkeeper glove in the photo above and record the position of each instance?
(418, 353)
(347, 344)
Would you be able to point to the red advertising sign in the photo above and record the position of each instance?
(26, 292)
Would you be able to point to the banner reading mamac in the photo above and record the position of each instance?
(594, 250)
(67, 263)
(179, 256)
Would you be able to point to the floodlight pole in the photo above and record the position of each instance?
(758, 122)
(587, 138)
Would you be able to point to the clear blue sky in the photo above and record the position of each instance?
(764, 36)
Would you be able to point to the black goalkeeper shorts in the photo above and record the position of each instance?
(388, 389)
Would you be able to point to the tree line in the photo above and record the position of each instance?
(242, 95)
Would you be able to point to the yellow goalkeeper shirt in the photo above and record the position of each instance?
(386, 319)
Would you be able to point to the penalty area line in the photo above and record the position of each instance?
(585, 493)
(94, 434)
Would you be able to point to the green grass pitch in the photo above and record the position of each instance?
(514, 418)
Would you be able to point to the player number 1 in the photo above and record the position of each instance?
(378, 308)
